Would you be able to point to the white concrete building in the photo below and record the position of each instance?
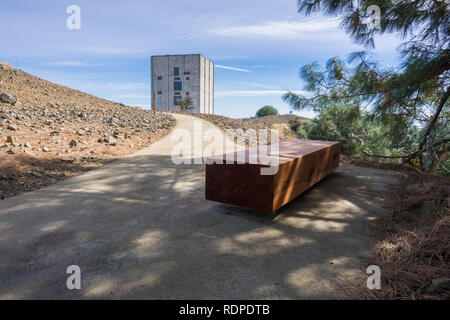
(176, 76)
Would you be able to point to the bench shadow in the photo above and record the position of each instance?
(269, 218)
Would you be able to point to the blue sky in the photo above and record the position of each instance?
(258, 46)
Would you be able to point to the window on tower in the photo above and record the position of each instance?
(176, 71)
(177, 85)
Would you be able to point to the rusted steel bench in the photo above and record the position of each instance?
(301, 164)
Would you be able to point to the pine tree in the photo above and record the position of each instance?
(415, 91)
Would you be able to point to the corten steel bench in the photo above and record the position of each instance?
(302, 163)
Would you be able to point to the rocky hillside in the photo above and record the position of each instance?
(44, 122)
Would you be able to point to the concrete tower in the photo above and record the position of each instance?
(176, 76)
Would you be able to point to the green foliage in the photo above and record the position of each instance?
(382, 93)
(335, 123)
(186, 104)
(342, 122)
(266, 111)
(295, 125)
(393, 101)
(425, 21)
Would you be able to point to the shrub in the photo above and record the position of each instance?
(266, 111)
(186, 104)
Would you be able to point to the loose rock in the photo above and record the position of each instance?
(7, 98)
(73, 143)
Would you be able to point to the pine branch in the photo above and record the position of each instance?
(406, 157)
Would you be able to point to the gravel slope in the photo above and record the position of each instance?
(49, 132)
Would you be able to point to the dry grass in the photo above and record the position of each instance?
(379, 165)
(18, 165)
(23, 173)
(414, 246)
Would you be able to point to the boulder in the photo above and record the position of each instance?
(112, 141)
(36, 174)
(7, 98)
(73, 143)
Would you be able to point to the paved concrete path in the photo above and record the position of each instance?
(141, 228)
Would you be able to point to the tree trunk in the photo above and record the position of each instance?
(442, 102)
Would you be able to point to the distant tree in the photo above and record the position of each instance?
(266, 111)
(186, 104)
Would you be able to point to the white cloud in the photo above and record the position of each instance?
(258, 85)
(280, 29)
(231, 68)
(254, 93)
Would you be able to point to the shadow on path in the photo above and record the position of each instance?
(140, 228)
